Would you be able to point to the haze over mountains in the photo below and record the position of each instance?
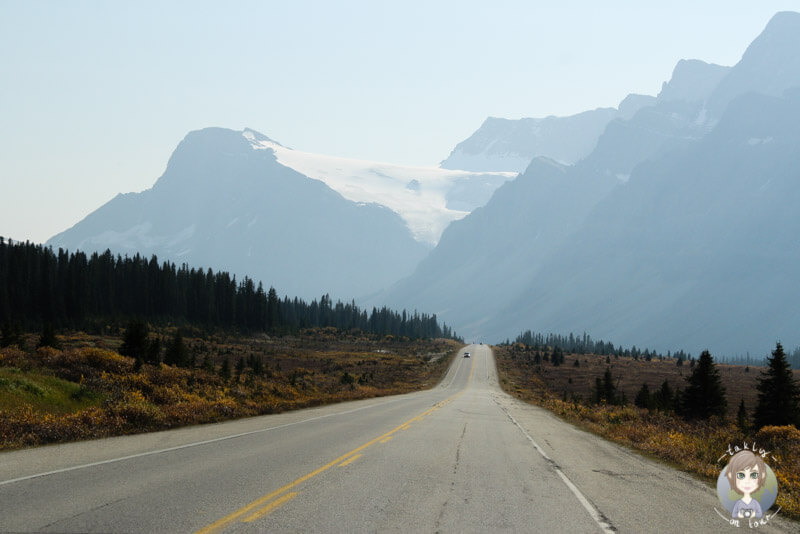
(669, 223)
(677, 231)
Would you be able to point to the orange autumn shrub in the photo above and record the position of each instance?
(783, 444)
(101, 393)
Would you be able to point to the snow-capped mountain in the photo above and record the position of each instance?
(427, 198)
(223, 204)
(305, 223)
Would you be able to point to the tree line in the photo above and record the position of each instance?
(40, 287)
(584, 344)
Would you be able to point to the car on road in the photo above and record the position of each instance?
(466, 354)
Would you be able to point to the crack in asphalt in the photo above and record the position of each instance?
(452, 482)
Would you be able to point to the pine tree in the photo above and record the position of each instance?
(741, 417)
(609, 389)
(153, 356)
(176, 352)
(643, 399)
(663, 398)
(704, 395)
(677, 402)
(134, 342)
(48, 337)
(597, 393)
(778, 393)
(604, 389)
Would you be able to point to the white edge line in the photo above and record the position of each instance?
(188, 445)
(593, 511)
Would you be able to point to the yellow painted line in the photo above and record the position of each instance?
(218, 525)
(350, 460)
(270, 507)
(222, 523)
(384, 440)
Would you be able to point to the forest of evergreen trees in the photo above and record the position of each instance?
(72, 290)
(584, 344)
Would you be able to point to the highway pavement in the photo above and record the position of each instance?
(461, 457)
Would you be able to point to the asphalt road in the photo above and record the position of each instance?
(463, 457)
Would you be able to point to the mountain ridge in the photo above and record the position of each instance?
(609, 266)
(224, 205)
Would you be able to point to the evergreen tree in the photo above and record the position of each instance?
(48, 337)
(609, 389)
(272, 308)
(597, 392)
(677, 402)
(604, 389)
(153, 355)
(38, 286)
(12, 335)
(556, 356)
(643, 399)
(664, 397)
(704, 395)
(778, 393)
(134, 342)
(741, 417)
(176, 352)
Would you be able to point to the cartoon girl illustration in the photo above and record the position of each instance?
(747, 473)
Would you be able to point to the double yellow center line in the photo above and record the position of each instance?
(264, 505)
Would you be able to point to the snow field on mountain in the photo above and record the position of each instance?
(418, 194)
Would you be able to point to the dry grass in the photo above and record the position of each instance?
(630, 374)
(694, 447)
(87, 390)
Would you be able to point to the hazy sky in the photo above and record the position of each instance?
(95, 96)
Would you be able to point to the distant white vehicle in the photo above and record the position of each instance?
(466, 354)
